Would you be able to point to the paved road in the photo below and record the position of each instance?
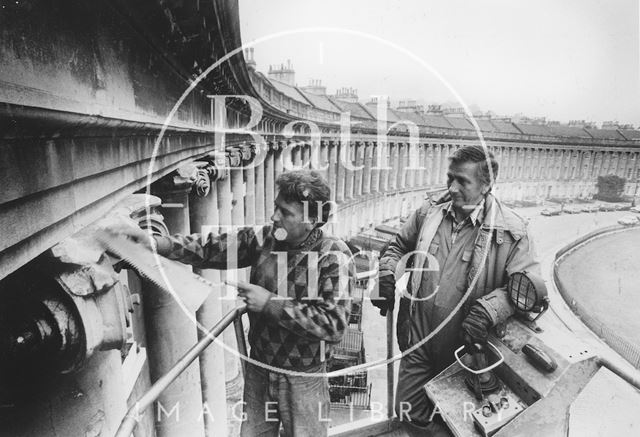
(603, 276)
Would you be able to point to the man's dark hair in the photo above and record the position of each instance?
(306, 186)
(477, 154)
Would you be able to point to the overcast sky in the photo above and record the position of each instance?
(561, 59)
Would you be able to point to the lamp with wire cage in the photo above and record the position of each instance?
(528, 293)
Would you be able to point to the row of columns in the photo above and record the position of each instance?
(525, 163)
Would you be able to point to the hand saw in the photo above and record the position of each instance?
(186, 287)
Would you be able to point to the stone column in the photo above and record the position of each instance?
(612, 163)
(305, 156)
(393, 160)
(279, 159)
(260, 192)
(375, 174)
(401, 173)
(333, 169)
(413, 161)
(444, 164)
(513, 163)
(385, 184)
(249, 180)
(204, 217)
(293, 157)
(538, 164)
(441, 167)
(606, 160)
(323, 162)
(368, 161)
(563, 165)
(225, 201)
(586, 165)
(505, 164)
(349, 151)
(359, 158)
(420, 180)
(171, 332)
(619, 166)
(341, 177)
(269, 184)
(431, 168)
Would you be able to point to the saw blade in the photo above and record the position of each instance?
(190, 289)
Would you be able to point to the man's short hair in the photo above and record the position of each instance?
(477, 154)
(306, 186)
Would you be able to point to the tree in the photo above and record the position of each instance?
(610, 188)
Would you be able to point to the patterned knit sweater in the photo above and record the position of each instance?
(311, 285)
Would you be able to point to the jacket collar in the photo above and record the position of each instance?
(307, 244)
(476, 216)
(496, 215)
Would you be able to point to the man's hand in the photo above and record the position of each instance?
(386, 293)
(254, 296)
(134, 233)
(475, 327)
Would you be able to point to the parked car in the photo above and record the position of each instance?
(629, 220)
(550, 212)
(607, 207)
(620, 207)
(572, 210)
(635, 209)
(590, 208)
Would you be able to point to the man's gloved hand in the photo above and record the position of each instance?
(475, 327)
(386, 294)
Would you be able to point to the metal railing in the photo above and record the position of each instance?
(131, 418)
(234, 316)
